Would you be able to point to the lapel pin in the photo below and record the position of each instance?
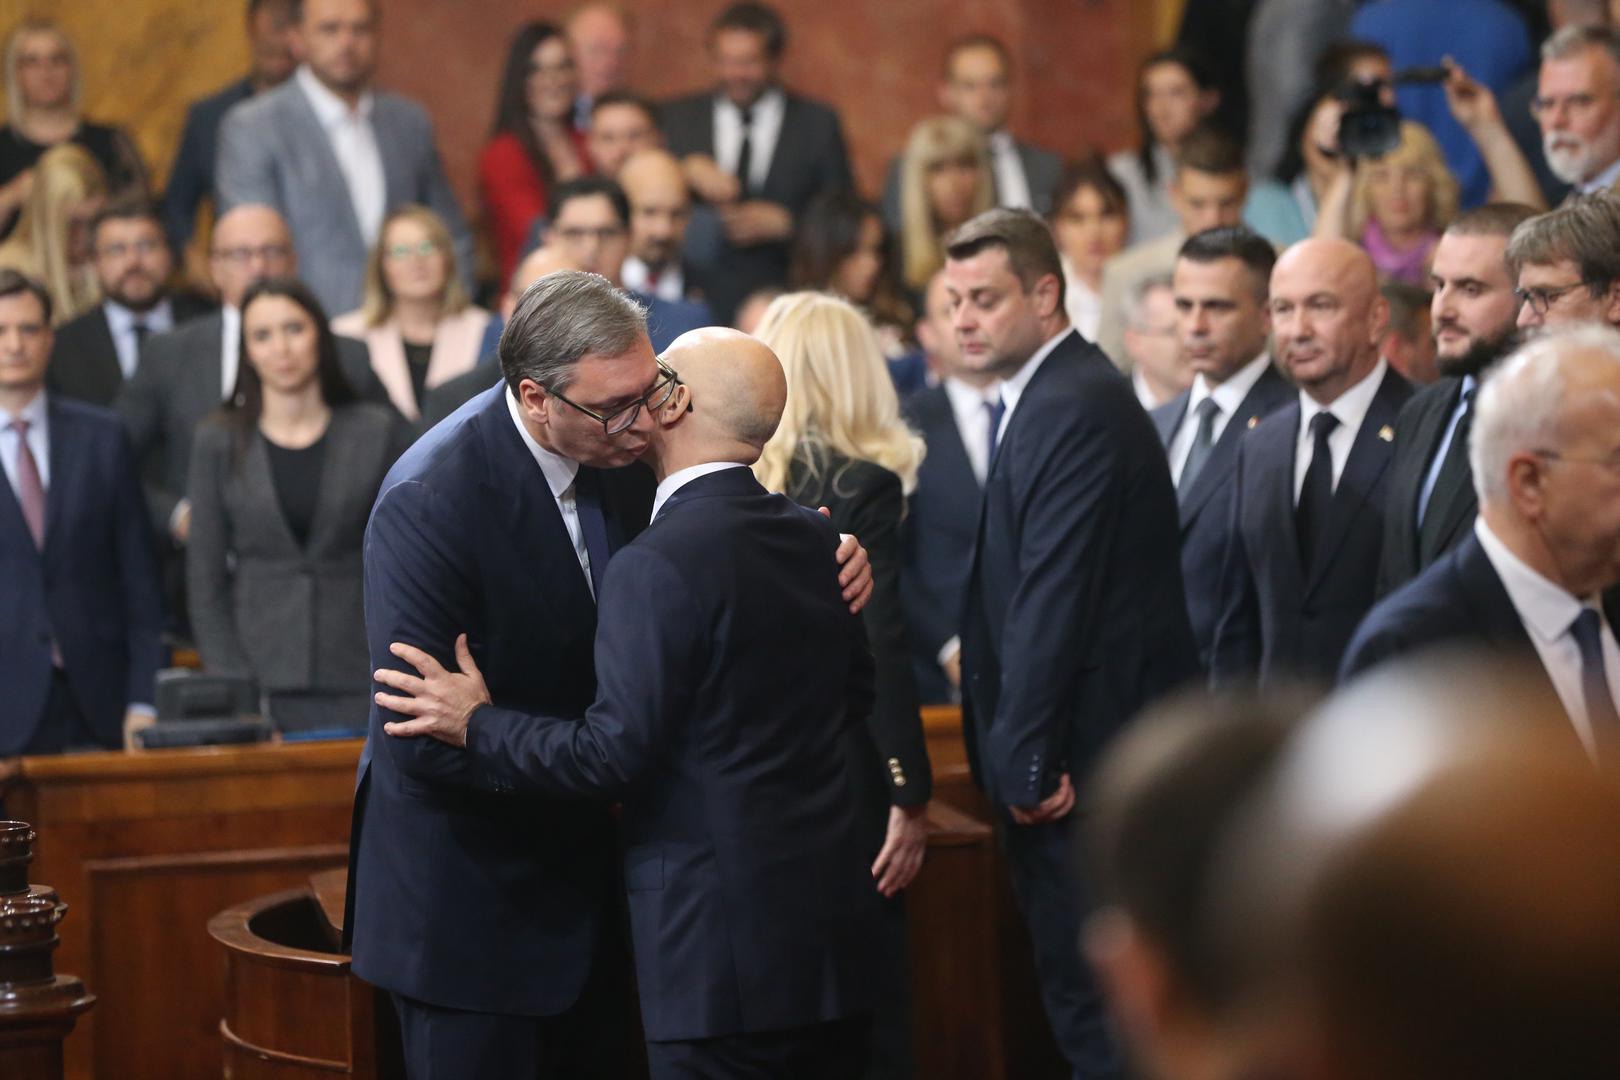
(1386, 433)
(1253, 420)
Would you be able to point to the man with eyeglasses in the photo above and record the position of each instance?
(488, 544)
(98, 351)
(1567, 264)
(1535, 578)
(1577, 105)
(186, 373)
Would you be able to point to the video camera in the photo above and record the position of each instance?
(1368, 128)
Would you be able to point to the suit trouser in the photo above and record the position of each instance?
(1053, 900)
(835, 1050)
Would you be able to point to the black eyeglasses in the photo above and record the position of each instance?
(620, 420)
(1541, 300)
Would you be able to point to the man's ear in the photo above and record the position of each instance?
(1046, 295)
(1611, 304)
(678, 405)
(534, 402)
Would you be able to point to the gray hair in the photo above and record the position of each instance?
(1521, 404)
(562, 318)
(1135, 306)
(1577, 38)
(1585, 230)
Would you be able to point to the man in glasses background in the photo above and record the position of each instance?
(1567, 264)
(1577, 106)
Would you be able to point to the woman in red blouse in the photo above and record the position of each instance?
(533, 144)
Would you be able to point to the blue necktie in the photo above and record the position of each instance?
(997, 408)
(592, 523)
(1595, 691)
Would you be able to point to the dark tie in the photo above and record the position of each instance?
(592, 523)
(996, 408)
(1587, 630)
(30, 490)
(140, 330)
(745, 153)
(1316, 497)
(1453, 473)
(1203, 442)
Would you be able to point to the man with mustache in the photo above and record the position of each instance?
(1577, 104)
(1431, 489)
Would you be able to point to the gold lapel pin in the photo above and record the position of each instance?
(1253, 420)
(1386, 433)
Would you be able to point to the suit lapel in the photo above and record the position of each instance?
(257, 476)
(340, 470)
(1272, 460)
(68, 463)
(1370, 453)
(1168, 417)
(1267, 392)
(104, 374)
(312, 139)
(782, 151)
(397, 184)
(1492, 610)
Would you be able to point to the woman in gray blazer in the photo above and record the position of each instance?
(282, 481)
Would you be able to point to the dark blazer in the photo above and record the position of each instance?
(285, 615)
(178, 384)
(809, 159)
(937, 537)
(191, 180)
(866, 501)
(1075, 613)
(1422, 425)
(1205, 504)
(466, 537)
(1279, 619)
(718, 722)
(94, 588)
(84, 360)
(669, 319)
(442, 400)
(1042, 172)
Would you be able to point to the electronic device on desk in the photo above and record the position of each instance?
(307, 716)
(198, 709)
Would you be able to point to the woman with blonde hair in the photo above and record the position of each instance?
(42, 106)
(52, 239)
(416, 317)
(842, 445)
(945, 179)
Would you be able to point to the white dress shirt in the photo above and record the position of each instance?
(230, 349)
(1228, 397)
(1547, 611)
(121, 323)
(765, 125)
(559, 473)
(968, 405)
(1603, 181)
(1144, 393)
(1012, 186)
(354, 144)
(1351, 409)
(637, 277)
(681, 477)
(1012, 389)
(1082, 302)
(39, 442)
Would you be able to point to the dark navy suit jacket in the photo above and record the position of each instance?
(937, 534)
(1280, 619)
(669, 319)
(1422, 424)
(1075, 615)
(192, 178)
(1205, 503)
(729, 668)
(465, 894)
(94, 588)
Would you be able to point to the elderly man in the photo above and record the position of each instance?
(1567, 264)
(1577, 104)
(1531, 579)
(1307, 513)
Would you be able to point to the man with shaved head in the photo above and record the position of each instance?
(1307, 514)
(721, 703)
(653, 273)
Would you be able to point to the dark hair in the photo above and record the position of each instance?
(1329, 73)
(978, 41)
(584, 188)
(512, 100)
(1090, 172)
(756, 18)
(625, 97)
(1208, 150)
(830, 232)
(13, 283)
(1031, 252)
(1407, 304)
(1585, 230)
(1234, 242)
(247, 399)
(1333, 64)
(1492, 219)
(287, 11)
(128, 208)
(1194, 64)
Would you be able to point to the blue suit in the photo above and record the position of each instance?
(1204, 504)
(464, 894)
(669, 319)
(93, 589)
(720, 723)
(191, 180)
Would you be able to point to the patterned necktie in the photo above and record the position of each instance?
(1587, 631)
(1203, 442)
(30, 489)
(1316, 496)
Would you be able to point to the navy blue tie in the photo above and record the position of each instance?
(997, 408)
(592, 523)
(1587, 630)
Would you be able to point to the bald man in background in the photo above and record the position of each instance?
(660, 209)
(1307, 515)
(721, 703)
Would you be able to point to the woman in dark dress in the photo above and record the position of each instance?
(842, 445)
(42, 103)
(282, 482)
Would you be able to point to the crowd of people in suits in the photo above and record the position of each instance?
(1102, 428)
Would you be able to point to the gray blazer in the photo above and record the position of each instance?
(179, 382)
(289, 617)
(273, 151)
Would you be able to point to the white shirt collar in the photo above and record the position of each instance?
(158, 318)
(558, 470)
(1229, 395)
(330, 109)
(681, 477)
(1603, 180)
(34, 413)
(1351, 406)
(636, 276)
(1546, 609)
(771, 102)
(1013, 388)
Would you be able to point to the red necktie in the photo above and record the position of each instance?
(30, 490)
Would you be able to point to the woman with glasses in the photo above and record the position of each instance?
(842, 445)
(533, 143)
(282, 481)
(415, 317)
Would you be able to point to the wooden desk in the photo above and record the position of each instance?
(145, 848)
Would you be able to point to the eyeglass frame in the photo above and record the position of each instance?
(670, 379)
(1611, 462)
(1541, 300)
